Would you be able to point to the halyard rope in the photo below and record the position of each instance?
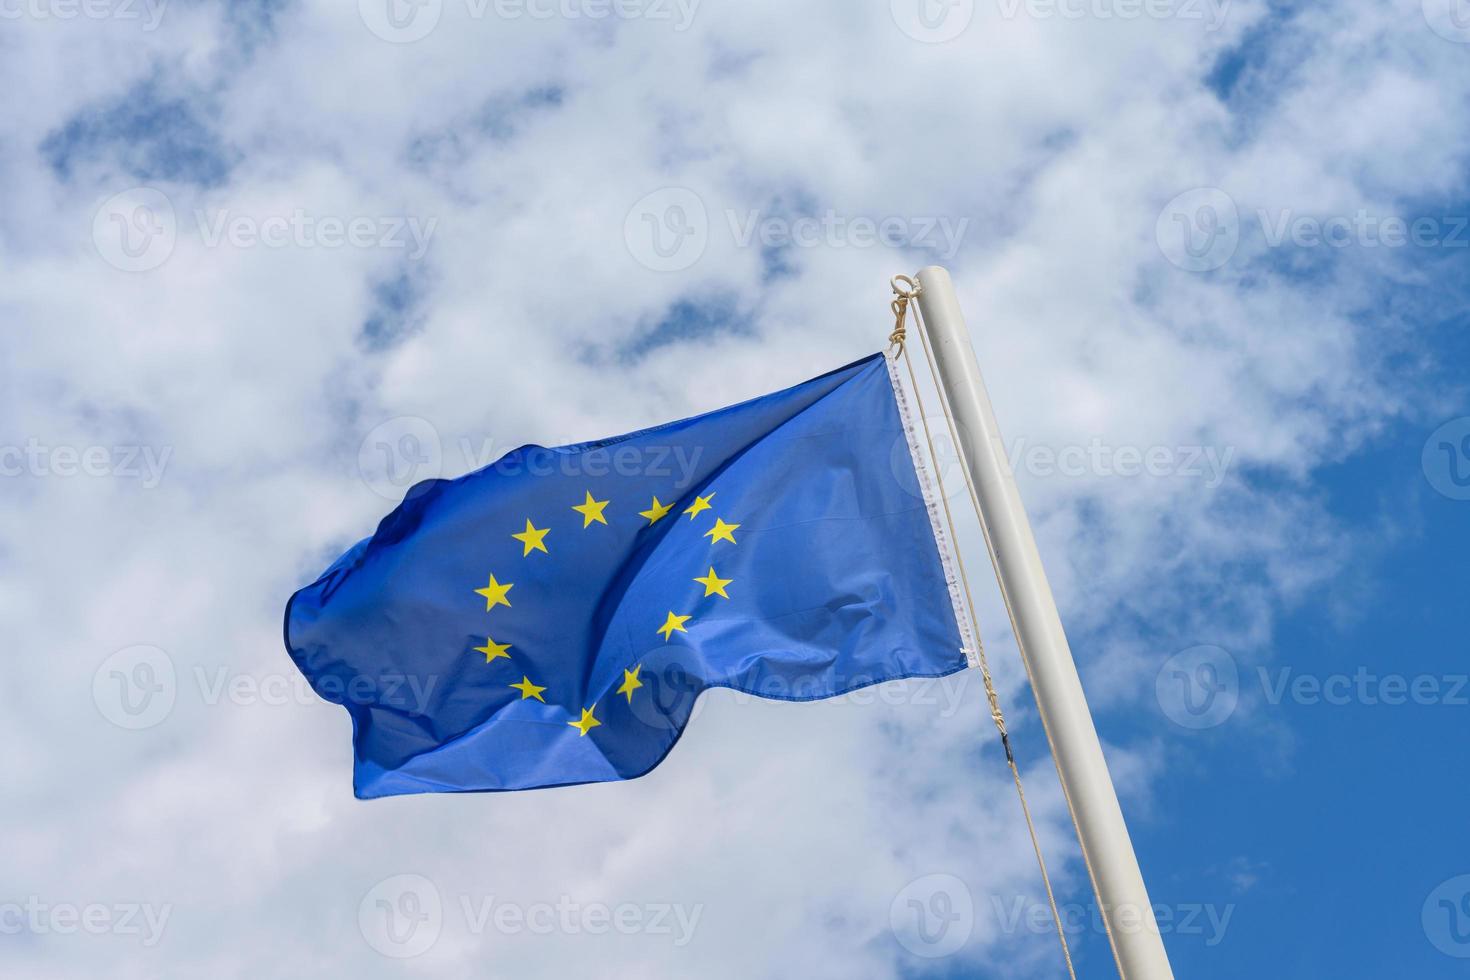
(906, 289)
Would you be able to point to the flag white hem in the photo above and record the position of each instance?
(969, 640)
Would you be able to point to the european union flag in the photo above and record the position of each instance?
(549, 620)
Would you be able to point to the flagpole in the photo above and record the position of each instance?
(1106, 847)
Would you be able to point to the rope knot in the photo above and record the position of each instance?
(905, 288)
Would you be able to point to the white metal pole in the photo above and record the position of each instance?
(1106, 847)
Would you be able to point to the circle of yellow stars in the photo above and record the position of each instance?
(594, 511)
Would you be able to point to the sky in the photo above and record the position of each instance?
(265, 263)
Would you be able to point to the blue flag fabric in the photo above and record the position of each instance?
(549, 620)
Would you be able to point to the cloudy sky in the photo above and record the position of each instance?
(265, 262)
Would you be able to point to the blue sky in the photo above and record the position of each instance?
(1353, 822)
(264, 264)
(1346, 805)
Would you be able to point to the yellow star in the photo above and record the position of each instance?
(721, 531)
(671, 624)
(656, 511)
(494, 594)
(700, 505)
(533, 538)
(529, 690)
(494, 651)
(591, 510)
(631, 682)
(714, 585)
(587, 723)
